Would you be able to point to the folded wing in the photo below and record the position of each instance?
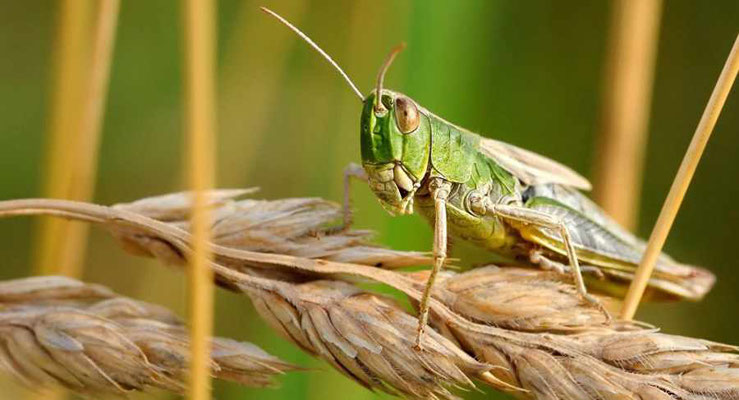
(532, 168)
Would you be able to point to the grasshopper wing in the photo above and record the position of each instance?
(602, 243)
(531, 168)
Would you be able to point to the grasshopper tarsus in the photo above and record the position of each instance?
(599, 304)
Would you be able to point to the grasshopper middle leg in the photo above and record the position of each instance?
(439, 189)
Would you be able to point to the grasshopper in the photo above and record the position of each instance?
(502, 198)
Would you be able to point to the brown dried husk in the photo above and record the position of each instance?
(518, 330)
(57, 331)
(301, 227)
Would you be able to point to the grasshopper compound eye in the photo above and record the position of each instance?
(406, 115)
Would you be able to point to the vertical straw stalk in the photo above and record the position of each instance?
(200, 125)
(681, 182)
(53, 253)
(96, 88)
(626, 103)
(80, 91)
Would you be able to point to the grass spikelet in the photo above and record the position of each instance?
(517, 330)
(364, 336)
(300, 227)
(57, 331)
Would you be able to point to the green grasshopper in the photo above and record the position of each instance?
(497, 196)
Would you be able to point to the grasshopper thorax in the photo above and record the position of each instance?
(396, 144)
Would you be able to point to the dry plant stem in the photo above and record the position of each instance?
(200, 113)
(301, 227)
(76, 119)
(91, 121)
(51, 253)
(682, 181)
(180, 239)
(626, 103)
(84, 127)
(533, 331)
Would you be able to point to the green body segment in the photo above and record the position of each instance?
(452, 152)
(437, 148)
(456, 156)
(486, 232)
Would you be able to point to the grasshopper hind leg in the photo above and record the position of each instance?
(527, 216)
(539, 258)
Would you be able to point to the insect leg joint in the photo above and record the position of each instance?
(476, 203)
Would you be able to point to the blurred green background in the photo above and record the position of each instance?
(529, 73)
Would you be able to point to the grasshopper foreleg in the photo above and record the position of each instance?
(439, 189)
(351, 171)
(533, 217)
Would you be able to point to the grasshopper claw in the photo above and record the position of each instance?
(419, 336)
(597, 303)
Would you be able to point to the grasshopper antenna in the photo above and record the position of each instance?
(318, 49)
(379, 107)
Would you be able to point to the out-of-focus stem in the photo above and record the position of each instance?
(80, 91)
(626, 104)
(54, 251)
(681, 182)
(96, 91)
(79, 94)
(200, 124)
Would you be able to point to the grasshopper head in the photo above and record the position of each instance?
(396, 144)
(395, 135)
